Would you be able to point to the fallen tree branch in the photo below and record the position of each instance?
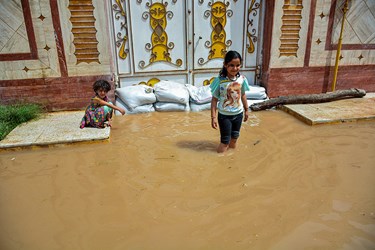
(311, 98)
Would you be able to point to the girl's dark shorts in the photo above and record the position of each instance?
(230, 126)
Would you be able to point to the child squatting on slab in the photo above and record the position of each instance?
(229, 104)
(98, 113)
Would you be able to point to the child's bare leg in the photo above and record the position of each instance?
(232, 143)
(222, 148)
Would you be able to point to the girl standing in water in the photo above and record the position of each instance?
(229, 99)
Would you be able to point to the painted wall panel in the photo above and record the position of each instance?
(158, 35)
(217, 27)
(282, 61)
(45, 63)
(358, 34)
(101, 42)
(121, 36)
(253, 33)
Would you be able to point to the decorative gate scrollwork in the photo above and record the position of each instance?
(218, 44)
(159, 45)
(251, 32)
(121, 39)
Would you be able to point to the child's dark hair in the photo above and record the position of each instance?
(229, 56)
(101, 84)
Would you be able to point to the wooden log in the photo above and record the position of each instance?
(311, 98)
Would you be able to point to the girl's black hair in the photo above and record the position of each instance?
(229, 56)
(101, 84)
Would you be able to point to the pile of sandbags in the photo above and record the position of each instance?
(173, 96)
(164, 96)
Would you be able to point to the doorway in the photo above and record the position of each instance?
(184, 41)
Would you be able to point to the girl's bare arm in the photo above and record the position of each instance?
(213, 112)
(102, 102)
(245, 107)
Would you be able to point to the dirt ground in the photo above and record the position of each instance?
(158, 183)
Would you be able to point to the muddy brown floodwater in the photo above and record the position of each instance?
(159, 184)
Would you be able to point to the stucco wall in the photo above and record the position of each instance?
(38, 61)
(311, 69)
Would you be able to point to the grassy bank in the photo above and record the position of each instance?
(13, 115)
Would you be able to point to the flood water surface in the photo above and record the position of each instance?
(158, 183)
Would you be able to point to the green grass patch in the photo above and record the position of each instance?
(13, 115)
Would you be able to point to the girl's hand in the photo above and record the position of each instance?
(213, 123)
(122, 111)
(246, 116)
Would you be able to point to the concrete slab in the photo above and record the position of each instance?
(353, 109)
(53, 128)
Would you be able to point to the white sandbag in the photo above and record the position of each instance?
(171, 106)
(137, 95)
(200, 94)
(168, 91)
(256, 93)
(139, 109)
(194, 107)
(147, 108)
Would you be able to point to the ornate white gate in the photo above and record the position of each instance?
(184, 41)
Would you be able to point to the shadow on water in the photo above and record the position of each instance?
(198, 145)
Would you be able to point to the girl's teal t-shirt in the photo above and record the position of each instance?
(229, 93)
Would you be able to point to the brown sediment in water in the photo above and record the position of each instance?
(159, 184)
